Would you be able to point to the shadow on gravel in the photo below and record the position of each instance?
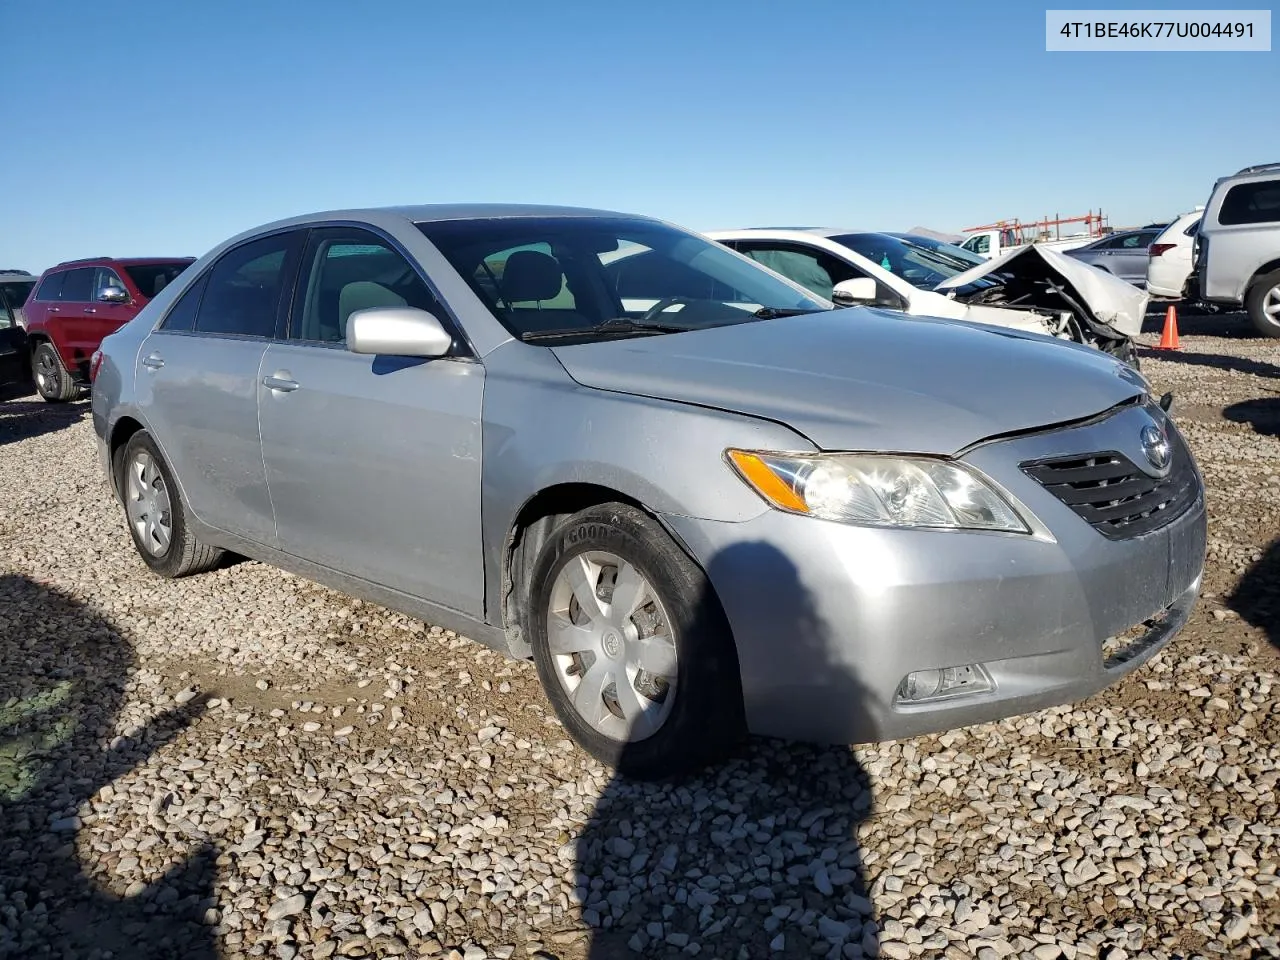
(758, 857)
(1219, 361)
(28, 417)
(1257, 596)
(63, 672)
(1262, 414)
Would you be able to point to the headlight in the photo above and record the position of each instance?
(878, 490)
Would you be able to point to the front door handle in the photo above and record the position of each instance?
(90, 309)
(154, 362)
(283, 384)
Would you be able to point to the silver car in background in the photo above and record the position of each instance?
(1124, 254)
(726, 509)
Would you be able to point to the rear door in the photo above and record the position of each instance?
(373, 462)
(73, 322)
(197, 382)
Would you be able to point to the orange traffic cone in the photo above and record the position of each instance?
(1169, 339)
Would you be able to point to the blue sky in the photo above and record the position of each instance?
(143, 128)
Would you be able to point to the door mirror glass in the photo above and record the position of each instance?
(113, 294)
(857, 290)
(397, 331)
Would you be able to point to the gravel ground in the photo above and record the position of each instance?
(244, 764)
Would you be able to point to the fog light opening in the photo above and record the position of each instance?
(922, 686)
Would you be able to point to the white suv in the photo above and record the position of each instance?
(1237, 250)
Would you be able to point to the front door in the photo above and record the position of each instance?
(13, 345)
(197, 383)
(373, 462)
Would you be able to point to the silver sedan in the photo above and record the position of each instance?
(704, 501)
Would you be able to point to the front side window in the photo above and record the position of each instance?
(813, 269)
(78, 285)
(590, 277)
(1251, 203)
(242, 296)
(978, 244)
(106, 277)
(345, 270)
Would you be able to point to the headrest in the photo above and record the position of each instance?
(531, 275)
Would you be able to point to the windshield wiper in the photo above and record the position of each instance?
(619, 326)
(770, 313)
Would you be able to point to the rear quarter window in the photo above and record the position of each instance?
(1251, 203)
(50, 287)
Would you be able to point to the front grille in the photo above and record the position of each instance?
(1113, 495)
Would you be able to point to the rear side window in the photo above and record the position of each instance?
(242, 294)
(182, 315)
(1251, 203)
(78, 285)
(51, 287)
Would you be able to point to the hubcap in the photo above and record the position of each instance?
(1271, 304)
(45, 371)
(147, 504)
(612, 646)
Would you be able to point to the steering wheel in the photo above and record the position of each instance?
(661, 305)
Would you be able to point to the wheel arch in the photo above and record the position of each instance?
(534, 522)
(1261, 272)
(121, 431)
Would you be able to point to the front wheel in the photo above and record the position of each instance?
(1263, 304)
(632, 647)
(156, 515)
(53, 382)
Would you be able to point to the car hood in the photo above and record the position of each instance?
(1111, 301)
(866, 379)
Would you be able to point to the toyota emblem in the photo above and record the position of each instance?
(1156, 446)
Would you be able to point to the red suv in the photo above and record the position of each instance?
(79, 302)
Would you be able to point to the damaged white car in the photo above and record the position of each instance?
(1031, 288)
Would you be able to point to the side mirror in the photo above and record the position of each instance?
(113, 294)
(397, 331)
(857, 290)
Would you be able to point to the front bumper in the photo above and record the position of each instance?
(829, 618)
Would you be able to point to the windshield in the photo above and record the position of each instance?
(579, 276)
(920, 261)
(151, 278)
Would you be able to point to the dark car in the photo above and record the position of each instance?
(15, 287)
(76, 304)
(1123, 254)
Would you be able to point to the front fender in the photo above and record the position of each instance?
(545, 431)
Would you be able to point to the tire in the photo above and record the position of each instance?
(150, 497)
(1263, 304)
(53, 382)
(682, 720)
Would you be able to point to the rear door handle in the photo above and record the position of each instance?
(154, 362)
(90, 309)
(283, 384)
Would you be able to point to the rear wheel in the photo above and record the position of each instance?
(631, 645)
(53, 382)
(155, 513)
(1263, 304)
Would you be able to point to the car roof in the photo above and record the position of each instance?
(123, 261)
(816, 231)
(434, 212)
(9, 276)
